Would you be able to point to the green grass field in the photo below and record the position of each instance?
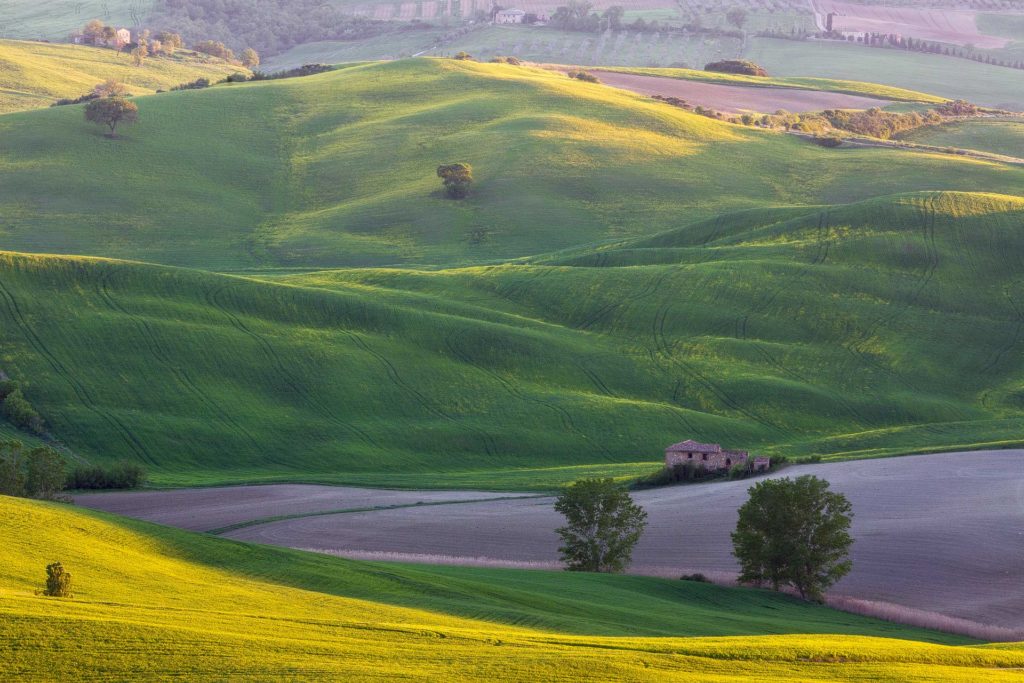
(34, 75)
(999, 137)
(614, 284)
(55, 19)
(158, 603)
(823, 84)
(949, 77)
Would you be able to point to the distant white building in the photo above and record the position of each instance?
(509, 16)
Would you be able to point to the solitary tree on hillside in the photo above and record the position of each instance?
(603, 524)
(737, 16)
(456, 178)
(58, 581)
(110, 111)
(796, 533)
(250, 58)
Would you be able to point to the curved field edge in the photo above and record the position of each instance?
(203, 607)
(876, 90)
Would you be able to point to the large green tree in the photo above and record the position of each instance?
(603, 524)
(111, 111)
(795, 533)
(456, 178)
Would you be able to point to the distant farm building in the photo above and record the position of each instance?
(509, 16)
(711, 457)
(122, 38)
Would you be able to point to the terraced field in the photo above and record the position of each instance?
(176, 596)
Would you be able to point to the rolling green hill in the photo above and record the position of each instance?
(997, 136)
(34, 75)
(877, 328)
(55, 19)
(338, 170)
(154, 602)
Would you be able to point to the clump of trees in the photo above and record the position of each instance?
(34, 473)
(794, 533)
(197, 84)
(583, 76)
(120, 475)
(214, 48)
(111, 112)
(602, 527)
(58, 581)
(297, 72)
(463, 56)
(17, 409)
(736, 66)
(506, 60)
(456, 178)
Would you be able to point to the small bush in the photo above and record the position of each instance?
(75, 100)
(197, 84)
(739, 471)
(120, 475)
(297, 72)
(506, 60)
(827, 140)
(17, 410)
(583, 76)
(237, 77)
(464, 56)
(736, 66)
(58, 581)
(698, 577)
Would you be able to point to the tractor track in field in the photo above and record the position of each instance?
(1015, 340)
(857, 346)
(83, 394)
(490, 447)
(212, 297)
(161, 354)
(564, 415)
(666, 350)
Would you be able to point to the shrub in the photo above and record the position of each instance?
(827, 140)
(583, 76)
(75, 100)
(456, 178)
(736, 66)
(957, 108)
(18, 412)
(119, 475)
(698, 577)
(304, 70)
(463, 56)
(193, 85)
(739, 471)
(58, 581)
(237, 77)
(506, 60)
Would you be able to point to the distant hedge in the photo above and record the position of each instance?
(120, 475)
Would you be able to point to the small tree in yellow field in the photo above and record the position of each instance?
(58, 581)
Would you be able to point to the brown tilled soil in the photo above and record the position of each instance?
(214, 508)
(942, 533)
(735, 99)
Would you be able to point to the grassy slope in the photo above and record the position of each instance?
(33, 75)
(204, 608)
(338, 170)
(944, 76)
(823, 84)
(999, 137)
(55, 19)
(878, 328)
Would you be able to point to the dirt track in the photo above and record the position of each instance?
(735, 99)
(942, 533)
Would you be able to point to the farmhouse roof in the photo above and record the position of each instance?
(693, 446)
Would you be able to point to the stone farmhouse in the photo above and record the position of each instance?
(711, 457)
(509, 16)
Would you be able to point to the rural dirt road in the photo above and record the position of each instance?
(735, 99)
(942, 532)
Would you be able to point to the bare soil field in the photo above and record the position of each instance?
(736, 99)
(956, 27)
(942, 533)
(215, 508)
